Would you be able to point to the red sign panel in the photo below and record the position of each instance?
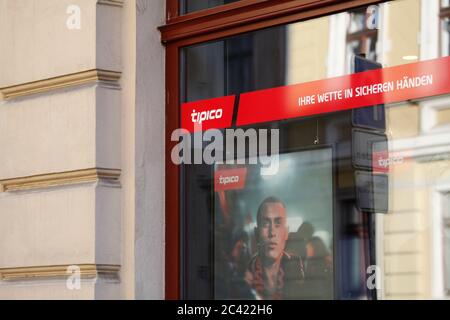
(202, 115)
(230, 179)
(370, 88)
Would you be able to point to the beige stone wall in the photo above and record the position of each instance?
(128, 114)
(413, 257)
(150, 119)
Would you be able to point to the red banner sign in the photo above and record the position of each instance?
(202, 115)
(370, 88)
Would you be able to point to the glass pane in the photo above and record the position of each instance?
(188, 6)
(269, 220)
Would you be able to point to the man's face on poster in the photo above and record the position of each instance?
(272, 230)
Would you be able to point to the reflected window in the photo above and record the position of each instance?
(188, 6)
(445, 29)
(271, 240)
(362, 36)
(446, 227)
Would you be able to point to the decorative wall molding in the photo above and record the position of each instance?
(115, 3)
(87, 271)
(56, 179)
(70, 80)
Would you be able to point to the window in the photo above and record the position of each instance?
(445, 29)
(362, 38)
(188, 6)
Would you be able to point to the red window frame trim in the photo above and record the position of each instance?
(206, 25)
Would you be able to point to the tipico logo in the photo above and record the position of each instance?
(199, 117)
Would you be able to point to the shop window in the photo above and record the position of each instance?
(445, 30)
(362, 34)
(188, 6)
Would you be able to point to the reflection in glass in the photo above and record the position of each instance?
(361, 40)
(446, 227)
(357, 21)
(235, 65)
